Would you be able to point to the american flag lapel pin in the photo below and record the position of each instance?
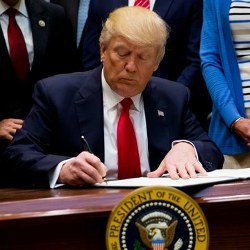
(160, 113)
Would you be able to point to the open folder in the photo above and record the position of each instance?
(216, 176)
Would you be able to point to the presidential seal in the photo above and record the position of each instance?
(158, 218)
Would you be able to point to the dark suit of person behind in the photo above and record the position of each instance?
(71, 10)
(54, 52)
(69, 106)
(181, 62)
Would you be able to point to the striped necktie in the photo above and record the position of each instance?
(142, 3)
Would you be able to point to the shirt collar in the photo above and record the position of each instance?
(20, 6)
(111, 99)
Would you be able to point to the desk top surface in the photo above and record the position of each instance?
(17, 203)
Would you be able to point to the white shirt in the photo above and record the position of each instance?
(22, 19)
(111, 111)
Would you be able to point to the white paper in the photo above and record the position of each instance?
(220, 175)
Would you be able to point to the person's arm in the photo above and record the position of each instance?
(33, 155)
(29, 156)
(193, 151)
(241, 127)
(212, 67)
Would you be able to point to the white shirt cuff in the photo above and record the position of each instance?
(54, 174)
(196, 154)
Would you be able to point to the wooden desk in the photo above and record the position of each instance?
(76, 218)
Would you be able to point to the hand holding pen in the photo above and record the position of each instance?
(87, 148)
(84, 169)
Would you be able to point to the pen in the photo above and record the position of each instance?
(87, 148)
(105, 179)
(85, 144)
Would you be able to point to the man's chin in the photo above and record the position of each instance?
(126, 92)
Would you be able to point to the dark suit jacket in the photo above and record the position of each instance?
(71, 9)
(68, 106)
(181, 62)
(54, 52)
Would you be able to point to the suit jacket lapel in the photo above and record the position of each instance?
(89, 110)
(157, 120)
(161, 7)
(5, 62)
(72, 7)
(39, 24)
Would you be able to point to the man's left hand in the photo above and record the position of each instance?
(180, 162)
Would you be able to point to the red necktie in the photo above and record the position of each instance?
(128, 155)
(18, 50)
(142, 3)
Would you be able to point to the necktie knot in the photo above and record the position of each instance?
(126, 103)
(11, 12)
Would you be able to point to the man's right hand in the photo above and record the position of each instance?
(84, 169)
(8, 128)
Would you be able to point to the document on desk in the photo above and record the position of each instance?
(216, 176)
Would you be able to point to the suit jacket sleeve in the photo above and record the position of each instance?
(176, 123)
(30, 155)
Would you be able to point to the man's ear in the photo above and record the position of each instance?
(102, 52)
(156, 66)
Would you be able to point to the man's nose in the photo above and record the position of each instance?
(130, 64)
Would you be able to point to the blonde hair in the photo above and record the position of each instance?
(139, 25)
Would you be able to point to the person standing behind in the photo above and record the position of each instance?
(181, 62)
(115, 120)
(225, 58)
(77, 12)
(44, 47)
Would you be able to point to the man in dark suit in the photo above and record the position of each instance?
(49, 149)
(51, 50)
(181, 62)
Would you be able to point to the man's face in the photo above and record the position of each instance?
(127, 66)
